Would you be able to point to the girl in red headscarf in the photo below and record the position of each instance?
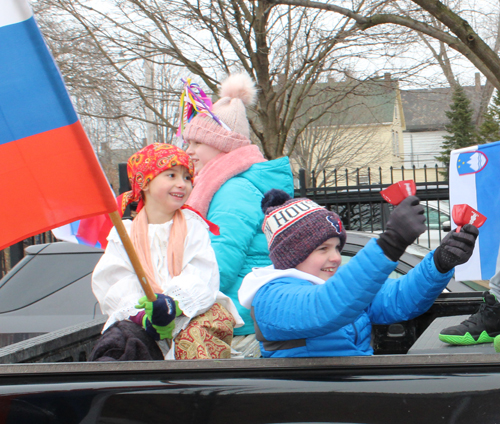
(174, 248)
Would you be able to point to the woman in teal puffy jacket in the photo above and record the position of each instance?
(231, 178)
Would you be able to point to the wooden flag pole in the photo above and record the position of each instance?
(129, 247)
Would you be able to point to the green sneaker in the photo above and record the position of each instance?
(482, 327)
(496, 343)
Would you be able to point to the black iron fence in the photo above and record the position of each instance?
(356, 197)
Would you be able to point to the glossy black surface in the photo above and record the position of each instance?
(418, 389)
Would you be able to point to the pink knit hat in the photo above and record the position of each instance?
(237, 92)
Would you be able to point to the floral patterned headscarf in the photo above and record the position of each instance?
(146, 164)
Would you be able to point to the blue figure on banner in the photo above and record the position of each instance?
(471, 162)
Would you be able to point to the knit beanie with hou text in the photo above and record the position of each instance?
(237, 92)
(294, 228)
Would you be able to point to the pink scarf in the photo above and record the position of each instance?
(175, 247)
(220, 169)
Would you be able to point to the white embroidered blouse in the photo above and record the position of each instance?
(117, 288)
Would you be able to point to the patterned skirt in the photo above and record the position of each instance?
(208, 336)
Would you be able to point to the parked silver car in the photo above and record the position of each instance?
(437, 215)
(48, 290)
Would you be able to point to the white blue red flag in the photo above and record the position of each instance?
(475, 180)
(89, 231)
(50, 174)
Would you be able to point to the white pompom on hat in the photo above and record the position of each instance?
(237, 92)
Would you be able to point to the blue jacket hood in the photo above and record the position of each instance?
(271, 174)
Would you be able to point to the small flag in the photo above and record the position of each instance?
(397, 192)
(91, 231)
(464, 214)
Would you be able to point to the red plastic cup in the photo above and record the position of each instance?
(464, 214)
(397, 192)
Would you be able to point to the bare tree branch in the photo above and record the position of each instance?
(467, 42)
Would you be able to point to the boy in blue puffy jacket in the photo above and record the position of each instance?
(305, 305)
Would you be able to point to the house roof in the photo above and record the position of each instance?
(425, 109)
(352, 102)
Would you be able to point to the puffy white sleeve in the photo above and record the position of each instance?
(196, 289)
(197, 286)
(115, 283)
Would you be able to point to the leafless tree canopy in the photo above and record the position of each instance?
(287, 50)
(123, 62)
(445, 24)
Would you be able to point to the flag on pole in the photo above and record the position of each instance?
(50, 174)
(475, 180)
(89, 231)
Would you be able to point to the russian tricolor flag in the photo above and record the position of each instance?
(475, 180)
(90, 231)
(49, 172)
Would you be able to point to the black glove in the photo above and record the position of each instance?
(405, 224)
(455, 248)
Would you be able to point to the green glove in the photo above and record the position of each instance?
(156, 331)
(160, 315)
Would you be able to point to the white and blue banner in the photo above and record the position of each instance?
(475, 180)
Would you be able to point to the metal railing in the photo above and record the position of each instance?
(356, 196)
